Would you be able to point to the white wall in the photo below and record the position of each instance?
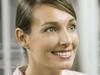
(89, 30)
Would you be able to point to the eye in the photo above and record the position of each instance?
(50, 29)
(72, 27)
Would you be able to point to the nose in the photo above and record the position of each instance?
(65, 39)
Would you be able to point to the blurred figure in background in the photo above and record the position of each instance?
(46, 30)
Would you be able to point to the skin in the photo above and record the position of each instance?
(52, 30)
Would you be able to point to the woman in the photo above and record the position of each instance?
(46, 30)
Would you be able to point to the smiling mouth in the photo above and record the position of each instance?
(62, 54)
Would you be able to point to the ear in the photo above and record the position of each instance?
(22, 38)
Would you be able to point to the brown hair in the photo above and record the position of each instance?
(25, 7)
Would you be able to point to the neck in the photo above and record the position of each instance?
(40, 71)
(34, 68)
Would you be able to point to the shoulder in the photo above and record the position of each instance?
(68, 72)
(19, 70)
(78, 73)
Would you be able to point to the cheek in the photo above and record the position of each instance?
(49, 42)
(75, 41)
(40, 46)
(43, 42)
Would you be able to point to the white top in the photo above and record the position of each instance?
(64, 72)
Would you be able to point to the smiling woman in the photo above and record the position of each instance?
(46, 30)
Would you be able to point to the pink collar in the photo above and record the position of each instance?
(21, 70)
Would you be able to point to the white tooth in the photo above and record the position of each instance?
(59, 54)
(68, 53)
(64, 54)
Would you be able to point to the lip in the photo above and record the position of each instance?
(65, 54)
(64, 50)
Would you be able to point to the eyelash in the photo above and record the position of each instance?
(54, 29)
(72, 27)
(50, 29)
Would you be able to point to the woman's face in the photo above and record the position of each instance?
(53, 40)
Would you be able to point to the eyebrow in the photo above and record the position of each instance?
(72, 20)
(56, 23)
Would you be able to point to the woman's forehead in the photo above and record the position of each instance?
(46, 12)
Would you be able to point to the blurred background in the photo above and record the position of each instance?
(88, 55)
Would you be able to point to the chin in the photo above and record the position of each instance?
(66, 67)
